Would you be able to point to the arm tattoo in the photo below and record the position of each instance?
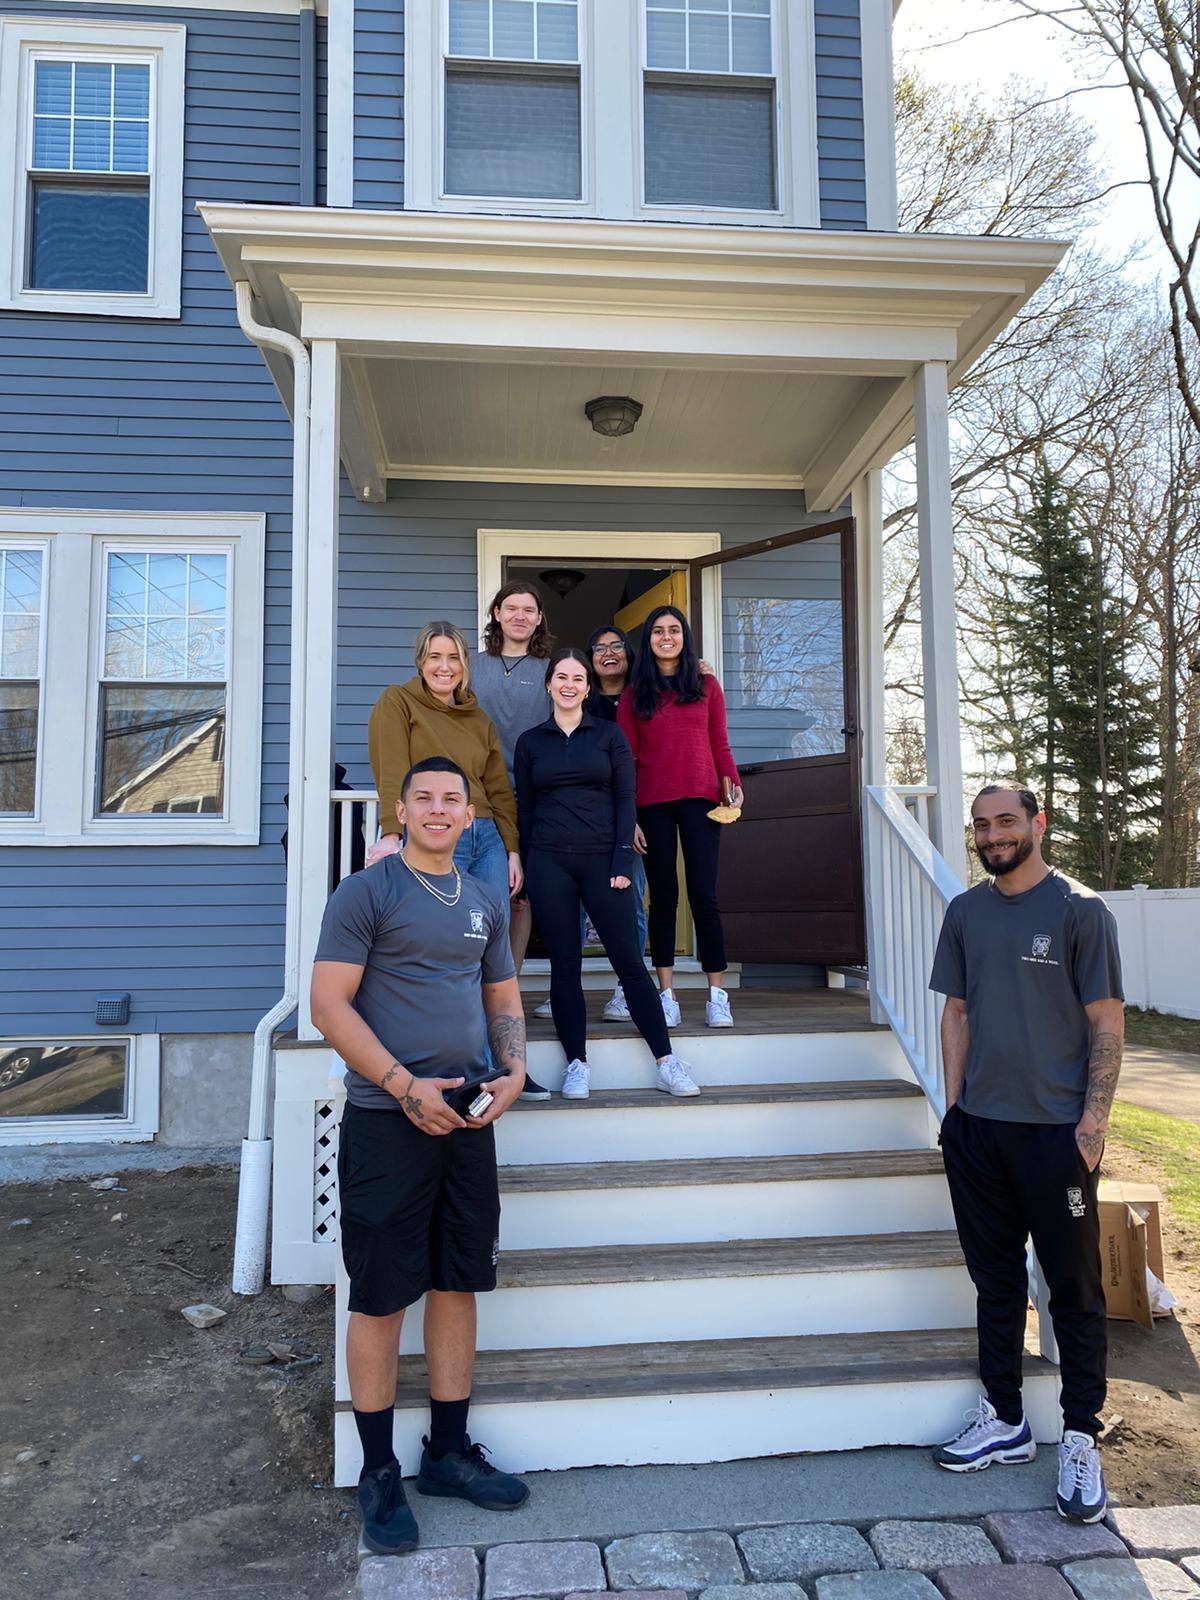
(1104, 1067)
(506, 1035)
(413, 1108)
(391, 1073)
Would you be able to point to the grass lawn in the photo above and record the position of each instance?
(1168, 1145)
(1161, 1031)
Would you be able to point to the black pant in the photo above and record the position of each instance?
(558, 882)
(1010, 1181)
(701, 841)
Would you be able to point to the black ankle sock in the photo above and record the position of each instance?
(448, 1427)
(375, 1432)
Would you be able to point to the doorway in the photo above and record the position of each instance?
(582, 596)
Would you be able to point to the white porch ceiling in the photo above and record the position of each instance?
(468, 346)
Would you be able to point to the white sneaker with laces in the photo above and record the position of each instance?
(616, 1009)
(670, 1007)
(716, 1011)
(575, 1081)
(1081, 1496)
(543, 1010)
(673, 1078)
(986, 1439)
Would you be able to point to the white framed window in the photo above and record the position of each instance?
(149, 702)
(70, 1090)
(91, 190)
(511, 100)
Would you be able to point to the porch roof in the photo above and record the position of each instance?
(762, 356)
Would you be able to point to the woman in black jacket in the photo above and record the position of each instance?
(576, 816)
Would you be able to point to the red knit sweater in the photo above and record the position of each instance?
(682, 752)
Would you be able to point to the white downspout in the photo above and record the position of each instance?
(254, 1184)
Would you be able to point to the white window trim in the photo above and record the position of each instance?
(11, 543)
(163, 46)
(73, 642)
(611, 73)
(140, 1122)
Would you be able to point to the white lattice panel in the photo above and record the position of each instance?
(308, 1112)
(327, 1119)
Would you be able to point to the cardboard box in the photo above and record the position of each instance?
(1130, 1241)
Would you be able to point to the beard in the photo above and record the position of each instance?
(998, 869)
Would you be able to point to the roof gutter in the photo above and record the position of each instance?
(254, 1183)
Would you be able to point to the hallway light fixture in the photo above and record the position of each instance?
(563, 580)
(613, 415)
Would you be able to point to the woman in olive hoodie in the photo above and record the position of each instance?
(435, 714)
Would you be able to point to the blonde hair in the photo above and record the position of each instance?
(443, 630)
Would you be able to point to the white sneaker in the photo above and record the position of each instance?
(1081, 1496)
(716, 1011)
(575, 1081)
(673, 1078)
(670, 1007)
(615, 1009)
(986, 1439)
(543, 1010)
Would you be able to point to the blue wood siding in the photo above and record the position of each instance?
(841, 160)
(164, 416)
(379, 104)
(415, 558)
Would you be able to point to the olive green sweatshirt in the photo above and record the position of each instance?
(408, 724)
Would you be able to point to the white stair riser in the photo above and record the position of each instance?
(871, 1301)
(663, 1130)
(676, 1214)
(633, 1431)
(618, 1062)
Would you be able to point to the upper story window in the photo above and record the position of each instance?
(512, 99)
(91, 197)
(709, 104)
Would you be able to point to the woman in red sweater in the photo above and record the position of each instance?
(674, 720)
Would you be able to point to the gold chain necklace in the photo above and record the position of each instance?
(447, 900)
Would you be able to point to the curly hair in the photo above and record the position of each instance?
(541, 641)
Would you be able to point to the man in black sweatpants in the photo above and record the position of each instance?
(1032, 1034)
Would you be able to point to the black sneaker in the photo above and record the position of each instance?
(470, 1477)
(533, 1090)
(388, 1526)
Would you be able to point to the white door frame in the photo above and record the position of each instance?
(495, 544)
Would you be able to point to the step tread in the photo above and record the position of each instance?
(723, 1258)
(717, 1170)
(731, 1094)
(755, 1011)
(711, 1366)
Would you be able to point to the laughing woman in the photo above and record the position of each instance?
(576, 808)
(674, 719)
(435, 714)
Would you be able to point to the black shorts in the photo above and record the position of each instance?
(416, 1211)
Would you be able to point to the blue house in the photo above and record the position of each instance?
(302, 306)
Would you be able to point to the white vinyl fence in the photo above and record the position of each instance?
(1160, 947)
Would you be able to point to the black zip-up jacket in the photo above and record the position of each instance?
(575, 793)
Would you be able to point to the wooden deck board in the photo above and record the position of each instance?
(754, 1011)
(723, 1169)
(710, 1366)
(722, 1258)
(728, 1094)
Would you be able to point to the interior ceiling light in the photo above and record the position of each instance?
(613, 415)
(562, 580)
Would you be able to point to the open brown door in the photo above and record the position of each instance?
(791, 883)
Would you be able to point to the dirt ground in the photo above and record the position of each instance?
(139, 1457)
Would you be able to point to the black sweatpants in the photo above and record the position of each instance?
(558, 883)
(1010, 1181)
(700, 839)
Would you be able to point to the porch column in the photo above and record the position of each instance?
(939, 645)
(318, 667)
(866, 503)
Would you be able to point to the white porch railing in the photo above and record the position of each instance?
(909, 887)
(356, 819)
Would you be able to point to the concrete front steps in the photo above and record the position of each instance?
(767, 1268)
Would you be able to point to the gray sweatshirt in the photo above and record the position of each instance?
(514, 700)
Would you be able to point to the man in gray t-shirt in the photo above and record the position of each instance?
(1031, 1039)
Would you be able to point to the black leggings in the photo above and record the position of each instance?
(701, 842)
(558, 884)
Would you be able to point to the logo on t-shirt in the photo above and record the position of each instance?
(477, 929)
(1041, 951)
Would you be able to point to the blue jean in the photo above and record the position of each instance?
(637, 888)
(480, 851)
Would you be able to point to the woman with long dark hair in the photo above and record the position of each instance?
(674, 718)
(576, 813)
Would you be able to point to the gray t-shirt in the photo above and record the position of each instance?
(422, 963)
(1026, 965)
(514, 700)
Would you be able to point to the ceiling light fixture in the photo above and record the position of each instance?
(613, 415)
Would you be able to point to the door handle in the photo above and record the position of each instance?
(851, 732)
